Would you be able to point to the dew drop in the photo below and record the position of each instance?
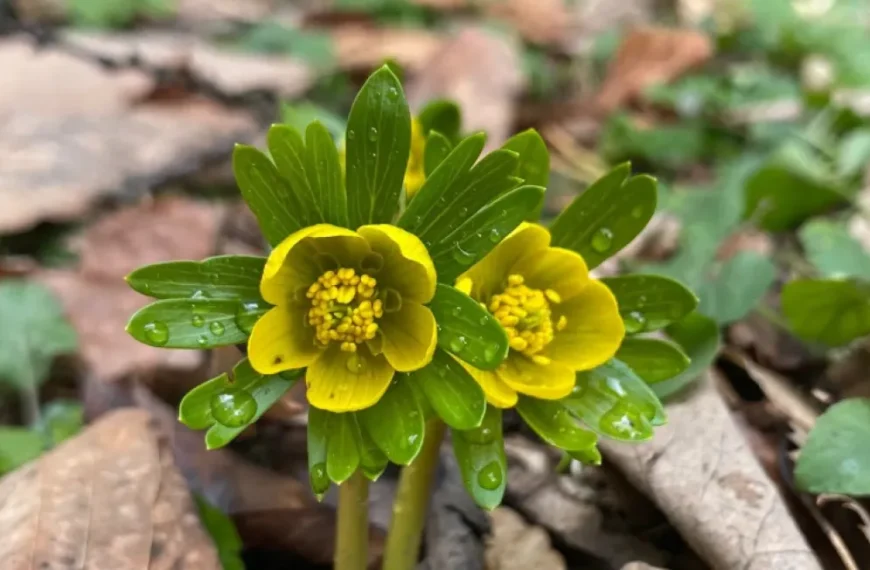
(490, 477)
(373, 134)
(202, 340)
(247, 315)
(624, 422)
(481, 435)
(602, 239)
(637, 212)
(495, 235)
(199, 295)
(197, 320)
(214, 277)
(491, 352)
(461, 256)
(157, 333)
(458, 343)
(456, 311)
(482, 321)
(418, 220)
(441, 371)
(392, 93)
(463, 211)
(233, 407)
(216, 328)
(355, 364)
(351, 134)
(318, 478)
(634, 322)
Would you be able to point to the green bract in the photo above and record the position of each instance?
(466, 205)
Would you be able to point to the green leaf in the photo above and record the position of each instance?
(223, 277)
(17, 447)
(453, 193)
(313, 47)
(442, 116)
(223, 533)
(378, 143)
(468, 330)
(342, 448)
(700, 339)
(833, 251)
(740, 284)
(836, 457)
(372, 461)
(650, 302)
(450, 172)
(195, 410)
(607, 216)
(301, 114)
(191, 323)
(534, 162)
(291, 159)
(471, 241)
(482, 462)
(454, 395)
(555, 424)
(791, 187)
(614, 402)
(59, 421)
(591, 456)
(396, 423)
(437, 149)
(33, 332)
(324, 170)
(318, 433)
(278, 210)
(831, 311)
(653, 359)
(854, 153)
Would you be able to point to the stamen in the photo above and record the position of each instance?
(344, 308)
(525, 315)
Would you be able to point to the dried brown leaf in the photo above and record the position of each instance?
(481, 72)
(363, 47)
(99, 302)
(701, 473)
(109, 499)
(650, 56)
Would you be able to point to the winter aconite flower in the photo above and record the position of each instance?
(559, 321)
(415, 175)
(349, 305)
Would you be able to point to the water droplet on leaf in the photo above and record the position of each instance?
(233, 407)
(318, 478)
(634, 322)
(197, 320)
(481, 435)
(602, 239)
(199, 294)
(461, 256)
(495, 235)
(351, 134)
(456, 311)
(157, 333)
(490, 477)
(624, 422)
(216, 328)
(637, 212)
(491, 352)
(392, 93)
(202, 340)
(373, 134)
(463, 211)
(458, 343)
(247, 315)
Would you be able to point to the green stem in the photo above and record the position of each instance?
(412, 500)
(352, 540)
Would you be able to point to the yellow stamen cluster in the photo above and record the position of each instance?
(525, 315)
(344, 308)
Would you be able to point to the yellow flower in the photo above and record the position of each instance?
(559, 321)
(414, 174)
(349, 305)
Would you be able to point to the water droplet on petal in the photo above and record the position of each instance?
(602, 239)
(157, 333)
(490, 477)
(634, 322)
(458, 343)
(197, 320)
(373, 134)
(216, 328)
(247, 315)
(233, 407)
(355, 363)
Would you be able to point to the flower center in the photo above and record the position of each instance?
(344, 308)
(526, 317)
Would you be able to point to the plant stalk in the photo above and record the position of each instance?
(412, 501)
(352, 539)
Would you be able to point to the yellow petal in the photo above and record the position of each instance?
(347, 381)
(409, 336)
(561, 270)
(594, 328)
(300, 259)
(281, 341)
(488, 275)
(549, 382)
(407, 266)
(497, 392)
